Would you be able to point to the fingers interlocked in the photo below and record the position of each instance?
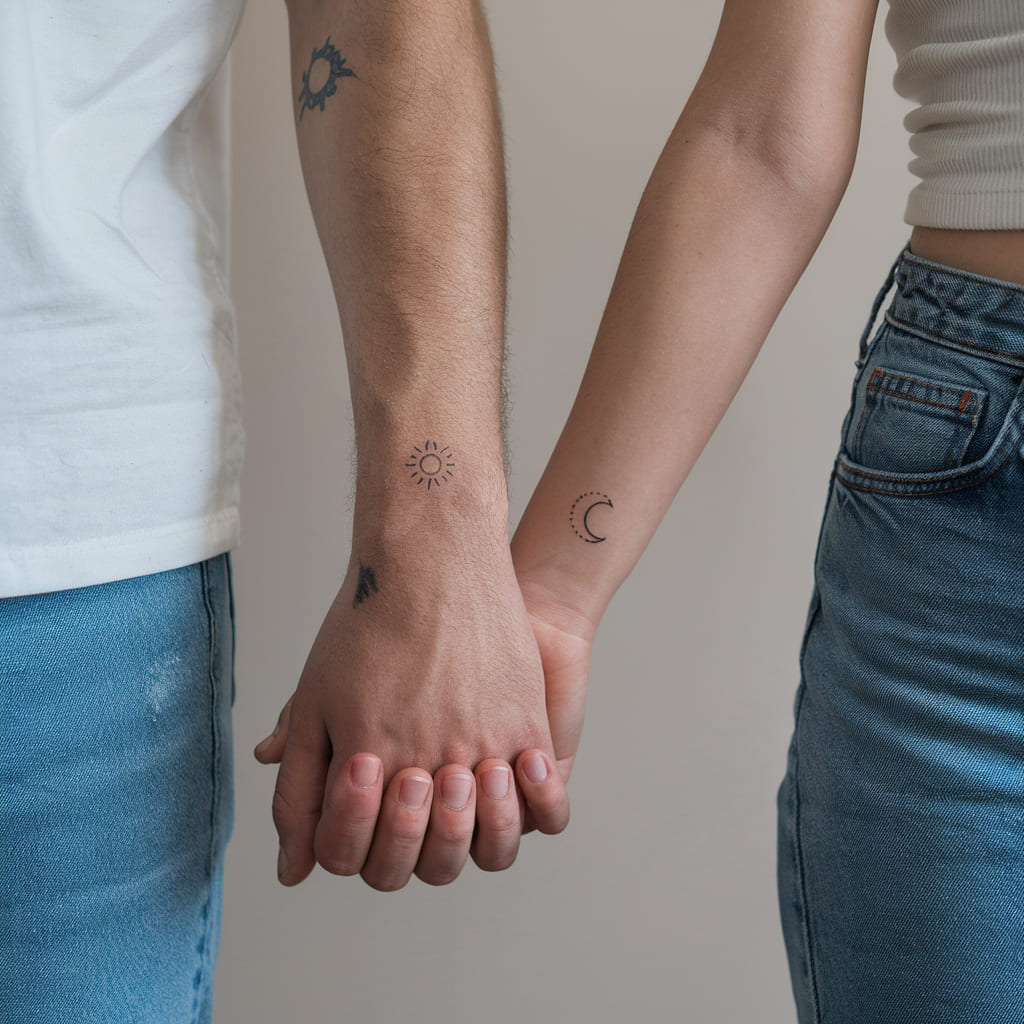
(419, 824)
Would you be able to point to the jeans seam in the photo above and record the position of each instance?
(204, 947)
(231, 615)
(994, 355)
(798, 851)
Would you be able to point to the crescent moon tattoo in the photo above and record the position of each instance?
(580, 511)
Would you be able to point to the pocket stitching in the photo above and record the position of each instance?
(964, 417)
(965, 408)
(900, 487)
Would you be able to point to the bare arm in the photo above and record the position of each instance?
(425, 662)
(403, 168)
(736, 206)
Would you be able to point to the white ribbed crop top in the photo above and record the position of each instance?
(962, 61)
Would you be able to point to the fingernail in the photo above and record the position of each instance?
(495, 782)
(413, 792)
(535, 768)
(455, 791)
(365, 771)
(282, 862)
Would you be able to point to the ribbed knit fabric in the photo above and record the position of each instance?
(963, 62)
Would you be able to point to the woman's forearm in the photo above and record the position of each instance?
(717, 245)
(736, 206)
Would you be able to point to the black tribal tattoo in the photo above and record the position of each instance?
(366, 586)
(431, 464)
(310, 98)
(581, 509)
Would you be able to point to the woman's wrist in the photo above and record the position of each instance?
(565, 582)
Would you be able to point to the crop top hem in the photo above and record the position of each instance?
(1001, 210)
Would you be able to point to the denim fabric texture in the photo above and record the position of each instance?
(901, 815)
(115, 798)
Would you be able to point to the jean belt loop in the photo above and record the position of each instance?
(890, 279)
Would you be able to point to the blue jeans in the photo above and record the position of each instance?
(901, 815)
(115, 798)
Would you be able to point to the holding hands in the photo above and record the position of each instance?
(419, 731)
(438, 712)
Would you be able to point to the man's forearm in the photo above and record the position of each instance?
(398, 131)
(425, 664)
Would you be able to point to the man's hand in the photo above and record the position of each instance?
(423, 685)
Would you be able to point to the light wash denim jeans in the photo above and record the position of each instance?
(901, 816)
(115, 798)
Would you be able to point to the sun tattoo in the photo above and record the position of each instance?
(431, 464)
(310, 99)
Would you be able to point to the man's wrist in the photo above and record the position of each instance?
(431, 488)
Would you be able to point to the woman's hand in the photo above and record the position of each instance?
(565, 639)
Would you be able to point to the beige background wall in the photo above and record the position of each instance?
(658, 903)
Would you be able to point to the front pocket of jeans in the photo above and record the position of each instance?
(914, 424)
(928, 417)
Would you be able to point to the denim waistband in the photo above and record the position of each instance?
(959, 308)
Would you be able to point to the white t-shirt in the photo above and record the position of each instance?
(120, 415)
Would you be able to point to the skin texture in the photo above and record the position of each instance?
(998, 254)
(426, 664)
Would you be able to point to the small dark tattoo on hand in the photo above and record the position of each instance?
(431, 465)
(326, 61)
(366, 586)
(580, 512)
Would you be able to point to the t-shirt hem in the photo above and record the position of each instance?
(97, 560)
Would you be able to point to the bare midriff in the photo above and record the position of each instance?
(998, 254)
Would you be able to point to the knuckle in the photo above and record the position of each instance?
(495, 859)
(458, 755)
(340, 797)
(341, 842)
(384, 882)
(543, 809)
(353, 825)
(503, 824)
(287, 814)
(553, 826)
(405, 837)
(438, 876)
(339, 866)
(348, 821)
(550, 804)
(449, 836)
